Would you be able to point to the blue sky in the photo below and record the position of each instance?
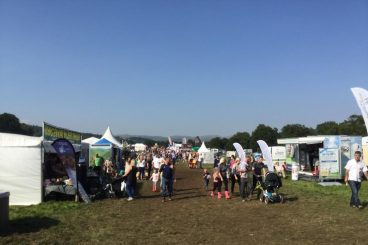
(181, 67)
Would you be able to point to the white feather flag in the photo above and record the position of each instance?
(266, 154)
(240, 151)
(361, 97)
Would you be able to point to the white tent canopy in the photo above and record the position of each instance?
(90, 140)
(108, 135)
(20, 161)
(310, 140)
(203, 149)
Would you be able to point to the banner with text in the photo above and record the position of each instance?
(52, 133)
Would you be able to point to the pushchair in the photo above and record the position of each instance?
(270, 189)
(112, 187)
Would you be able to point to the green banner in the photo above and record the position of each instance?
(53, 133)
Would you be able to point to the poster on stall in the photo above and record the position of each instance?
(365, 150)
(102, 152)
(329, 163)
(292, 155)
(278, 153)
(345, 150)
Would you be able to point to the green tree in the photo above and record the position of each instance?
(328, 128)
(217, 142)
(296, 130)
(266, 133)
(190, 142)
(9, 123)
(243, 138)
(354, 125)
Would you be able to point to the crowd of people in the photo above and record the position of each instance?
(155, 165)
(158, 167)
(247, 175)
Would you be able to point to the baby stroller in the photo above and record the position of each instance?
(270, 189)
(112, 187)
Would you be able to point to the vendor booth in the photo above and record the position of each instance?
(325, 156)
(31, 167)
(207, 155)
(106, 148)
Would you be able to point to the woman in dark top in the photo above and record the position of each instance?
(224, 174)
(131, 179)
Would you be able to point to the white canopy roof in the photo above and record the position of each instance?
(108, 135)
(17, 140)
(203, 148)
(90, 140)
(302, 140)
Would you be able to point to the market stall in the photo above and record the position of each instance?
(325, 156)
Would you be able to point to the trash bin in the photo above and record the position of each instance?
(294, 172)
(4, 210)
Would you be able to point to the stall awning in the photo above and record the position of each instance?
(310, 140)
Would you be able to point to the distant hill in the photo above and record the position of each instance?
(9, 123)
(175, 138)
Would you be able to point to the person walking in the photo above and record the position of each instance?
(206, 178)
(259, 171)
(131, 179)
(250, 172)
(355, 170)
(242, 171)
(224, 176)
(167, 174)
(234, 175)
(149, 164)
(141, 167)
(216, 183)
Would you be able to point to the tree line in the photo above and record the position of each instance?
(353, 125)
(10, 123)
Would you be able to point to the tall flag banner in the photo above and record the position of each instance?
(170, 141)
(239, 149)
(361, 97)
(66, 153)
(266, 154)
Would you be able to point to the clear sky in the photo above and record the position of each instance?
(181, 67)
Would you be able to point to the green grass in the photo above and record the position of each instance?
(311, 214)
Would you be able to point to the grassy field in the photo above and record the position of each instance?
(312, 214)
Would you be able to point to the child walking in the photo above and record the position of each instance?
(217, 182)
(154, 177)
(206, 178)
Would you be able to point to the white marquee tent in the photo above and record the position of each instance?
(108, 135)
(90, 140)
(20, 161)
(207, 155)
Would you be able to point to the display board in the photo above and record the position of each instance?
(329, 163)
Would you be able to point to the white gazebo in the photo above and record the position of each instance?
(207, 155)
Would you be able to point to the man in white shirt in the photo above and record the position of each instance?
(355, 169)
(156, 162)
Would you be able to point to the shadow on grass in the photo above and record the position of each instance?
(290, 198)
(29, 225)
(176, 198)
(188, 189)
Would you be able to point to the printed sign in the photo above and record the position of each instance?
(52, 133)
(329, 163)
(278, 153)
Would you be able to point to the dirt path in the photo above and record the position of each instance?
(193, 217)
